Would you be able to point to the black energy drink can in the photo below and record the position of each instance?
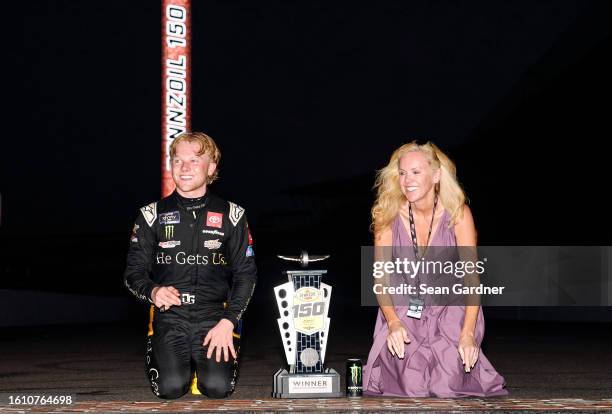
(354, 371)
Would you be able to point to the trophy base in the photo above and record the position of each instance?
(324, 385)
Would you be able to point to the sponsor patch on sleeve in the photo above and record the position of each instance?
(249, 251)
(235, 213)
(149, 213)
(214, 219)
(134, 236)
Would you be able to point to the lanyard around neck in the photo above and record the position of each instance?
(413, 235)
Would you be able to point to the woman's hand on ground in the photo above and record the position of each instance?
(397, 337)
(468, 350)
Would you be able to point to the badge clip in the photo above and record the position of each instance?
(415, 308)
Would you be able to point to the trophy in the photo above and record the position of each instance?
(303, 304)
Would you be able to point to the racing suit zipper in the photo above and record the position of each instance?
(195, 244)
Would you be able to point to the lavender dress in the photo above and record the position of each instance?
(432, 365)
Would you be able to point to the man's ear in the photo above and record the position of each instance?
(212, 167)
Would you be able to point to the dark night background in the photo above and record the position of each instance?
(306, 101)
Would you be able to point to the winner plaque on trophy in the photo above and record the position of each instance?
(303, 304)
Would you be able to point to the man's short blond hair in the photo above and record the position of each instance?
(207, 146)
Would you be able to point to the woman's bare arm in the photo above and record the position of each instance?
(382, 250)
(465, 233)
(398, 335)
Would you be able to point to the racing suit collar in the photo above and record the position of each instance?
(191, 204)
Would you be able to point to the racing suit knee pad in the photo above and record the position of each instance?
(215, 387)
(172, 387)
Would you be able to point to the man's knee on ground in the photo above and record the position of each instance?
(171, 387)
(214, 387)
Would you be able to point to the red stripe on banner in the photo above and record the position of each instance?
(176, 79)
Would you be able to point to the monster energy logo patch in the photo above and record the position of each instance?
(356, 375)
(169, 231)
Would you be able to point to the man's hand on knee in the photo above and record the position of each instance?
(220, 337)
(165, 296)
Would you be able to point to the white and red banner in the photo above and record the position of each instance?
(176, 80)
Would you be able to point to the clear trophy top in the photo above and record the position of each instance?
(304, 259)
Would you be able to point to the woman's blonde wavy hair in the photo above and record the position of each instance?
(389, 194)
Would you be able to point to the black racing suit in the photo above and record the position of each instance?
(203, 248)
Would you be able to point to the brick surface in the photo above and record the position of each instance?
(329, 405)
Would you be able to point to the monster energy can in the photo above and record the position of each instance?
(354, 387)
